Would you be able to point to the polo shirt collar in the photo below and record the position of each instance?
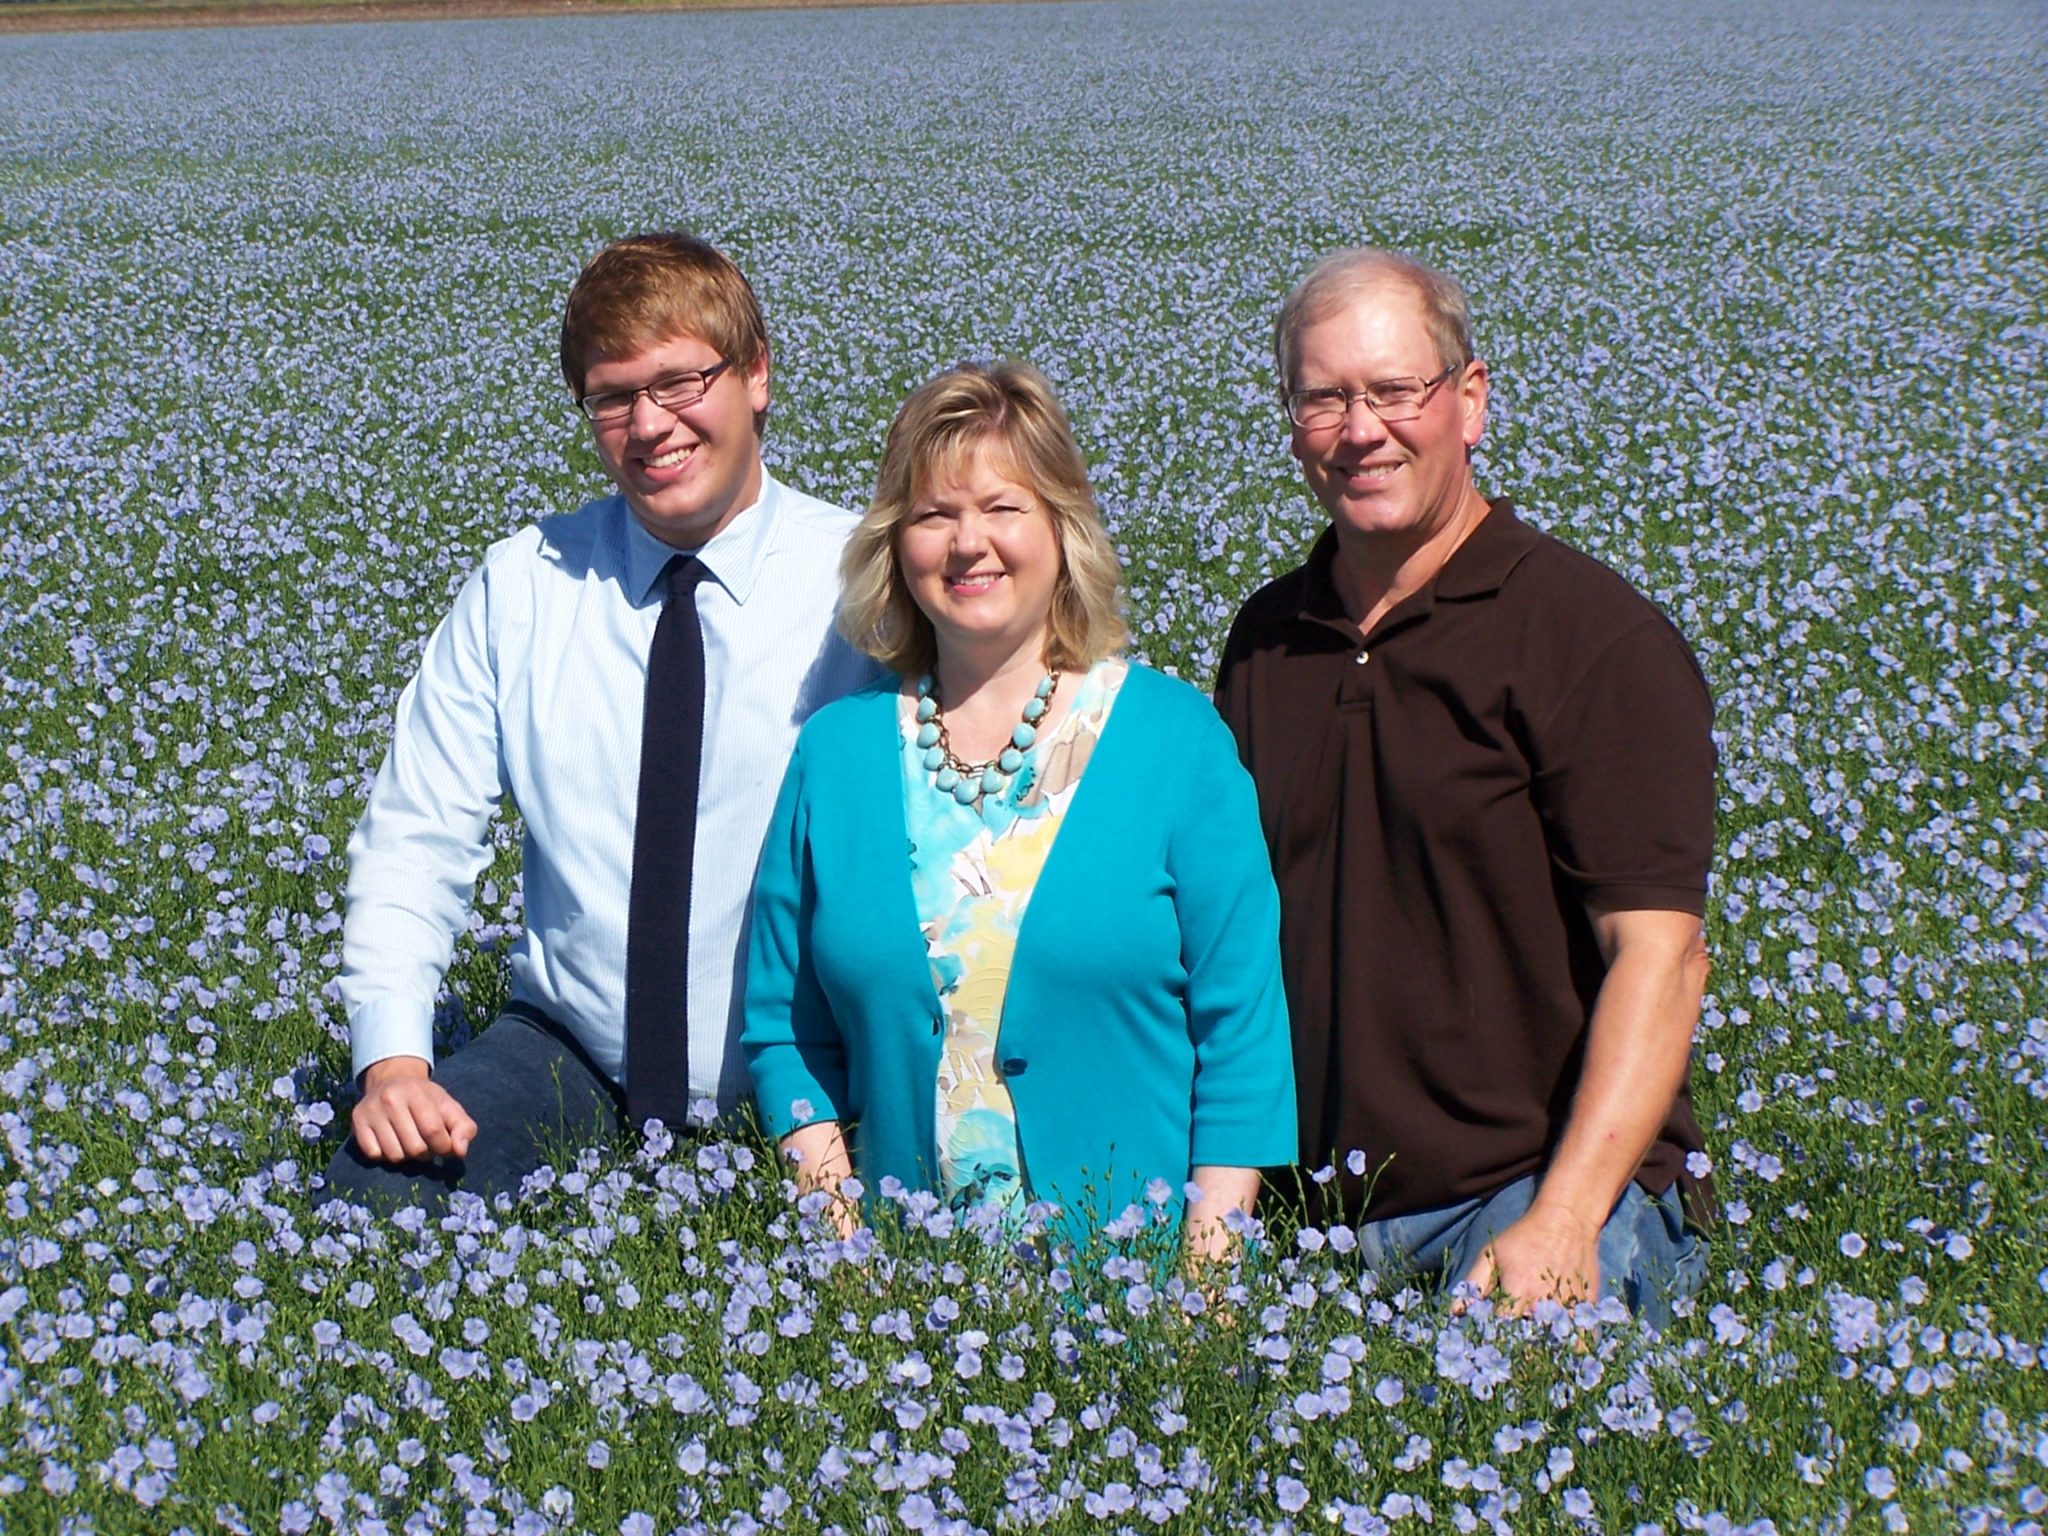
(734, 557)
(1477, 568)
(1320, 602)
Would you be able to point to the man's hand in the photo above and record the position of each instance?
(1541, 1255)
(405, 1116)
(1637, 1044)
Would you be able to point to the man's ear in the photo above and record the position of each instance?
(1472, 397)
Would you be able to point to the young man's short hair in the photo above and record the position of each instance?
(646, 290)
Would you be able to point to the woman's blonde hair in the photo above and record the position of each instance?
(1008, 407)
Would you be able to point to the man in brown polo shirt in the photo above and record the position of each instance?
(1486, 772)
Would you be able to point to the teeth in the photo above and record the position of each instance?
(672, 458)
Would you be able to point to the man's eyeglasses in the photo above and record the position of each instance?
(1390, 400)
(672, 392)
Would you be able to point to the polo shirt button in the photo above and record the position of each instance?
(1361, 658)
(1013, 1065)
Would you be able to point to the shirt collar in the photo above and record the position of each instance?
(1320, 602)
(1477, 568)
(734, 556)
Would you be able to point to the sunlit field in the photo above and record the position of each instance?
(1762, 287)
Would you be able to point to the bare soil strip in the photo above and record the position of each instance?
(118, 17)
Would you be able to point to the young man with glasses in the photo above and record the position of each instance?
(1486, 771)
(632, 675)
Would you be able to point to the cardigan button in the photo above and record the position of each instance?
(1012, 1065)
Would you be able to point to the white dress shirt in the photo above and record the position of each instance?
(533, 686)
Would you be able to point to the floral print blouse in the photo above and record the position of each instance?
(973, 869)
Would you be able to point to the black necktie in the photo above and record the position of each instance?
(664, 838)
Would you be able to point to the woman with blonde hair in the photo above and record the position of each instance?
(1015, 936)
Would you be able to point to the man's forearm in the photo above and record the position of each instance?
(408, 895)
(1637, 1048)
(414, 857)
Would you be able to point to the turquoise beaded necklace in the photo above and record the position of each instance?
(967, 782)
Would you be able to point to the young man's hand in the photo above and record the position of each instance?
(405, 1116)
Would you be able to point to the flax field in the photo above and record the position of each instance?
(1762, 287)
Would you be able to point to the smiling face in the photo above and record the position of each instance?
(981, 558)
(686, 474)
(1403, 482)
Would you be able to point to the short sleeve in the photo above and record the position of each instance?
(1623, 775)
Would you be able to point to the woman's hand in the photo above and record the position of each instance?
(1210, 1239)
(822, 1163)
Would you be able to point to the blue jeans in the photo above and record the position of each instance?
(533, 1094)
(1647, 1253)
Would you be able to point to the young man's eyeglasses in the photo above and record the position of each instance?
(672, 392)
(1390, 400)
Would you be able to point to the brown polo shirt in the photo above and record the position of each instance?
(1444, 798)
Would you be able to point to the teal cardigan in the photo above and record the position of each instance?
(1145, 1028)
